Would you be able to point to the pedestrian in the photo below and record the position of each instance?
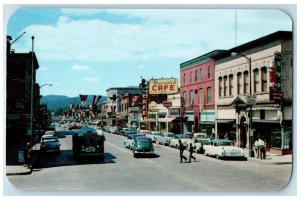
(256, 146)
(226, 136)
(261, 147)
(27, 155)
(191, 149)
(181, 149)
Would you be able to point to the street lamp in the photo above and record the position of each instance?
(251, 101)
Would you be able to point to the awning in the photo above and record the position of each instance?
(166, 119)
(207, 122)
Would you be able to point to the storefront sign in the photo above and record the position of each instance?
(163, 86)
(144, 104)
(167, 104)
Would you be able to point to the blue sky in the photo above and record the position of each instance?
(86, 51)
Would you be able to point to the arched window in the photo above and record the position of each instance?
(230, 84)
(220, 87)
(246, 83)
(264, 79)
(225, 86)
(256, 80)
(191, 76)
(184, 79)
(201, 98)
(239, 83)
(192, 97)
(184, 97)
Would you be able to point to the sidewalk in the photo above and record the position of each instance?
(17, 170)
(271, 159)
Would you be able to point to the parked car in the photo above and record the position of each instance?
(165, 138)
(142, 145)
(74, 126)
(198, 140)
(129, 140)
(50, 133)
(144, 132)
(153, 134)
(128, 131)
(185, 139)
(223, 148)
(113, 129)
(49, 144)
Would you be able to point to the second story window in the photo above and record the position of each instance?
(220, 87)
(230, 84)
(246, 82)
(264, 79)
(200, 75)
(191, 77)
(225, 85)
(184, 97)
(239, 83)
(208, 72)
(192, 97)
(256, 81)
(209, 95)
(196, 76)
(184, 79)
(201, 98)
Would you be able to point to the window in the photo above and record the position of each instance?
(256, 81)
(201, 98)
(246, 82)
(208, 72)
(230, 84)
(196, 76)
(225, 85)
(184, 98)
(209, 97)
(192, 97)
(200, 76)
(264, 79)
(220, 87)
(184, 79)
(191, 76)
(239, 83)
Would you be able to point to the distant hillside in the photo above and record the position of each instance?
(59, 101)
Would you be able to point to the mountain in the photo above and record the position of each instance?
(59, 101)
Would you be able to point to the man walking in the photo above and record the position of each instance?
(181, 149)
(191, 149)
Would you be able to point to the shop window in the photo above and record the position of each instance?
(262, 114)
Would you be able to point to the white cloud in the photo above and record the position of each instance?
(80, 68)
(91, 79)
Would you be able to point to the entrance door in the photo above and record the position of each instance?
(243, 133)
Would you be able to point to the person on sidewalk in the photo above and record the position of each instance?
(256, 145)
(262, 148)
(181, 149)
(191, 150)
(27, 155)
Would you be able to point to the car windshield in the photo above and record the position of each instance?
(170, 135)
(50, 140)
(144, 140)
(186, 137)
(226, 144)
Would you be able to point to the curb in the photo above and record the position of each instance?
(18, 173)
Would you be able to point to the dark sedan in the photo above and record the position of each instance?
(142, 145)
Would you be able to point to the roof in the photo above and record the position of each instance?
(201, 59)
(84, 130)
(221, 140)
(254, 43)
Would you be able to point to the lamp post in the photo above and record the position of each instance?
(251, 99)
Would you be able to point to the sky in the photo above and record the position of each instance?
(87, 51)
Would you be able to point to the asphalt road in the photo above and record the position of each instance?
(161, 173)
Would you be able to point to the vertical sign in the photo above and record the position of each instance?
(144, 104)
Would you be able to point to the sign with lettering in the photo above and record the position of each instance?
(167, 104)
(163, 86)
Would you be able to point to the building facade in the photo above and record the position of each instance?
(198, 92)
(264, 65)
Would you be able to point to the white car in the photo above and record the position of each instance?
(128, 143)
(223, 148)
(153, 135)
(50, 133)
(165, 138)
(198, 140)
(185, 139)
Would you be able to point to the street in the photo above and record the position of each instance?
(119, 171)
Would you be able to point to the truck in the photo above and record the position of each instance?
(88, 141)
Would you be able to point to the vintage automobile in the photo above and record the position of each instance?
(223, 148)
(142, 145)
(198, 140)
(185, 139)
(50, 143)
(153, 134)
(128, 131)
(165, 138)
(128, 143)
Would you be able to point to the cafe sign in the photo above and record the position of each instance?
(163, 86)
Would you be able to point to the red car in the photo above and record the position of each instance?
(74, 126)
